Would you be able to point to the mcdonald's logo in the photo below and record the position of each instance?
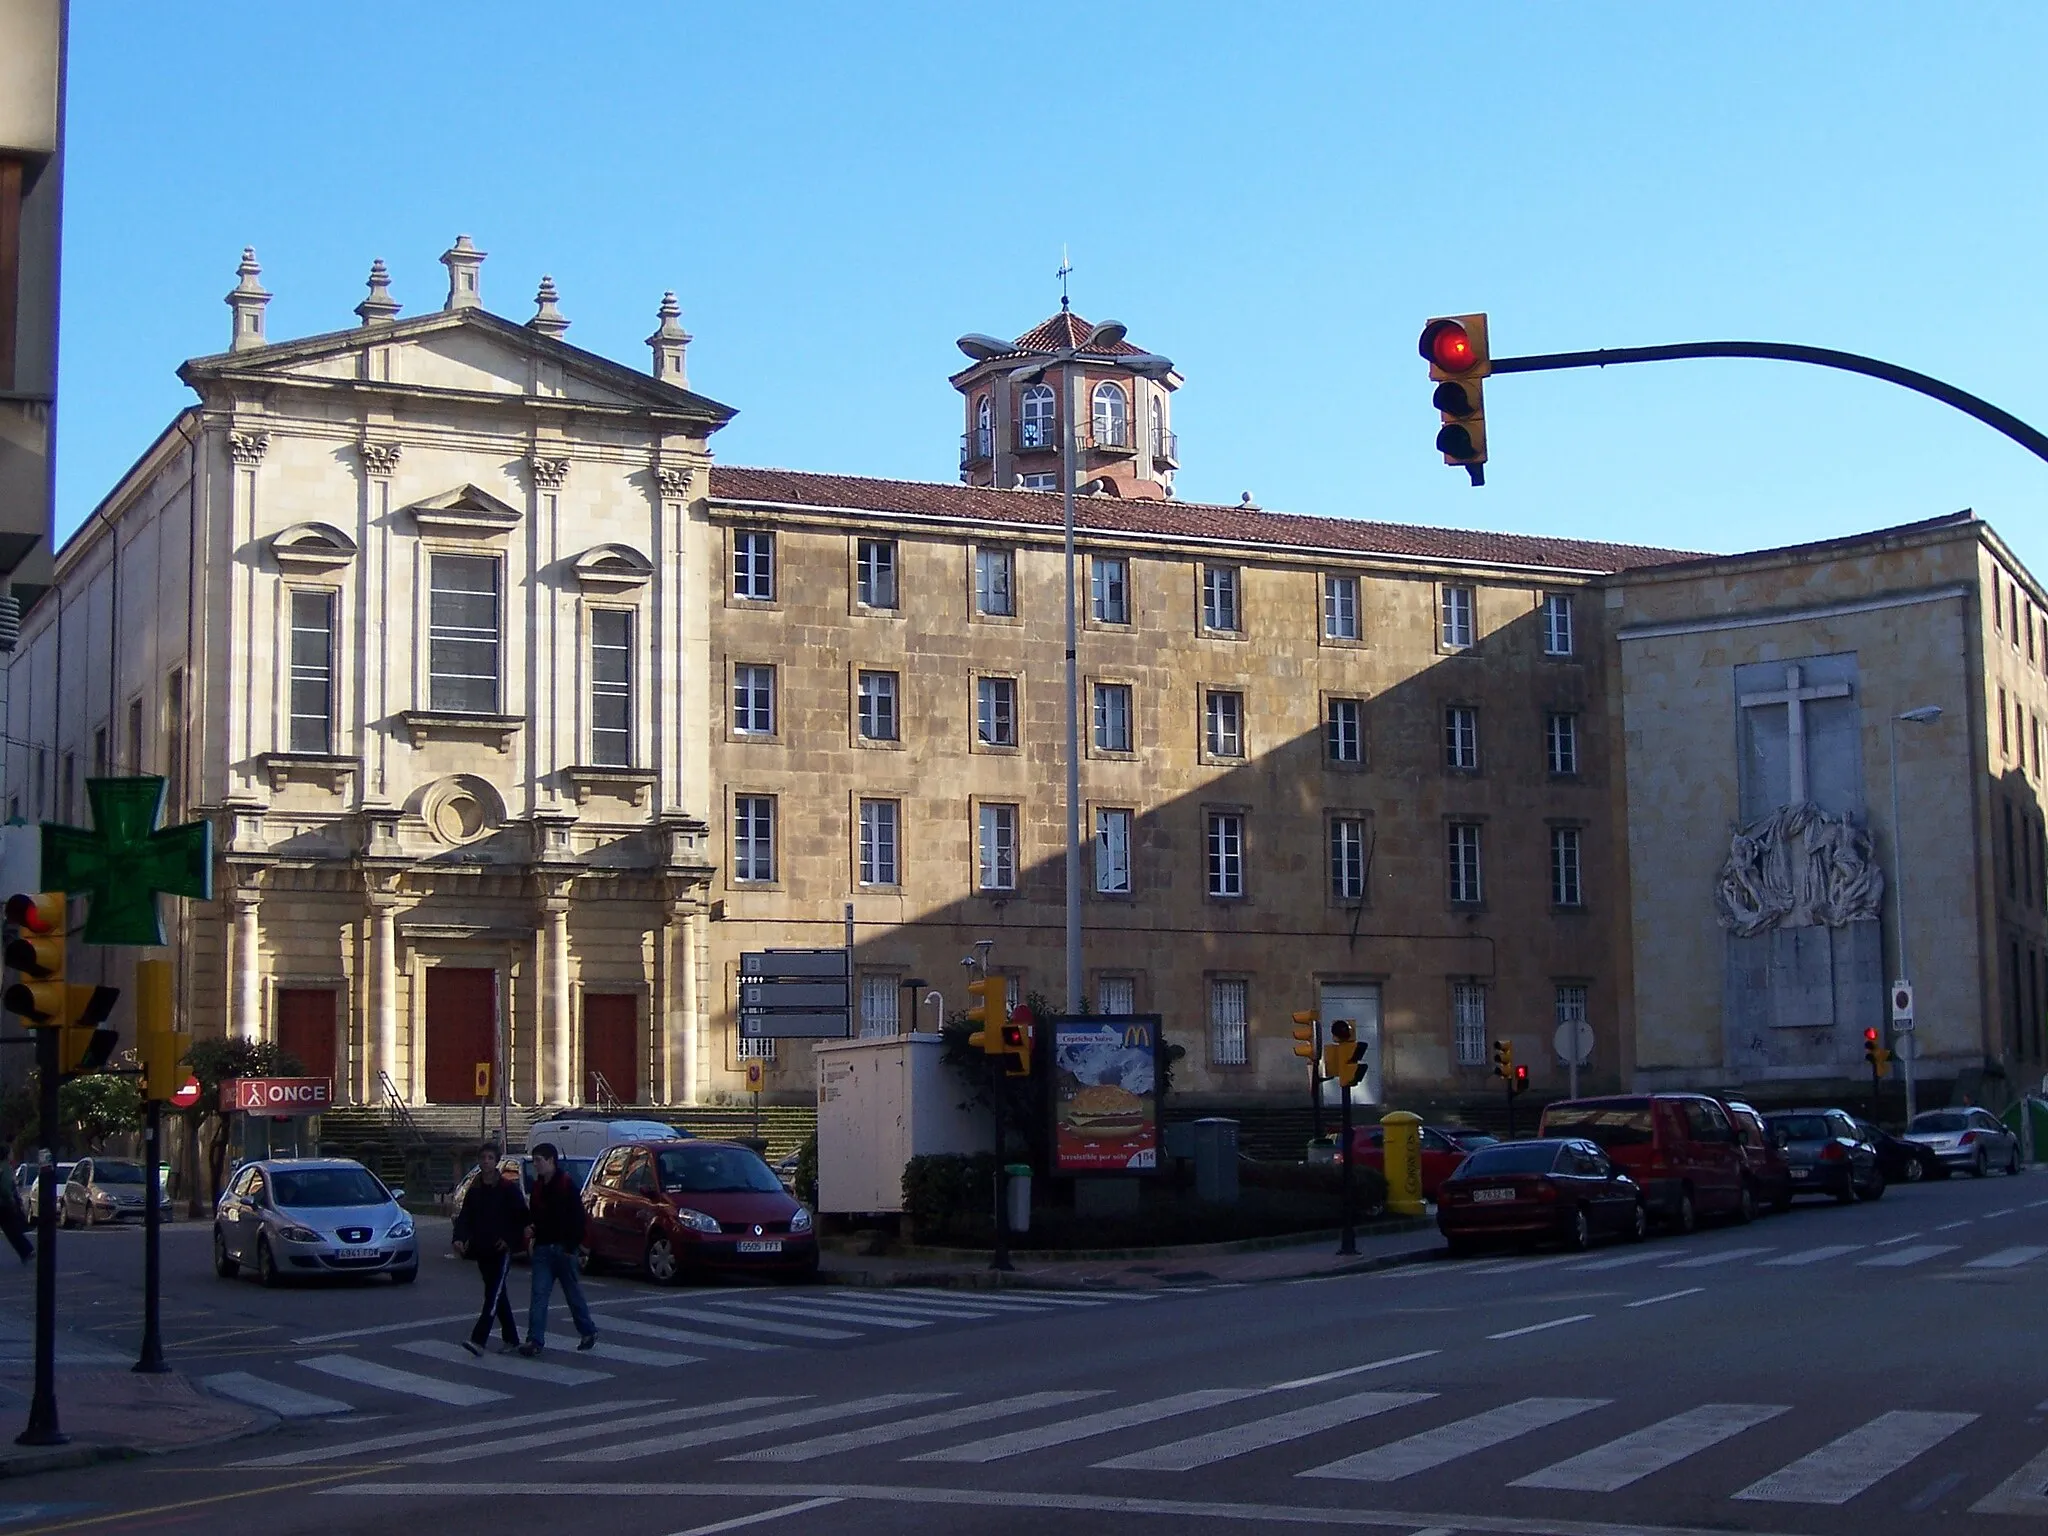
(1137, 1034)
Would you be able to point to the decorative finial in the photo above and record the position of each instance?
(465, 281)
(668, 342)
(1246, 504)
(379, 306)
(547, 319)
(1066, 267)
(247, 302)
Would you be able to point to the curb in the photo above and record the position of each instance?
(62, 1458)
(913, 1253)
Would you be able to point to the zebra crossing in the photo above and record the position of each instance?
(1568, 1445)
(1905, 1251)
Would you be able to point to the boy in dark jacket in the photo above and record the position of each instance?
(556, 1233)
(489, 1229)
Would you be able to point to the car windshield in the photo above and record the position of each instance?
(1803, 1127)
(712, 1170)
(326, 1186)
(1618, 1123)
(1941, 1120)
(117, 1173)
(1509, 1157)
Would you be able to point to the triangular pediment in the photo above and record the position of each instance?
(467, 512)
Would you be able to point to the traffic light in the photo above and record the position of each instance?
(1016, 1042)
(35, 948)
(1456, 351)
(1504, 1059)
(983, 1012)
(1876, 1056)
(1344, 1056)
(1306, 1045)
(157, 1041)
(86, 1044)
(1519, 1082)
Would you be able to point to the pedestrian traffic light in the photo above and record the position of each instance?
(983, 1010)
(1306, 1029)
(1503, 1059)
(157, 1041)
(35, 948)
(1344, 1056)
(1519, 1082)
(1456, 351)
(1016, 1043)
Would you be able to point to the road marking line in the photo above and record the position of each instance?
(918, 1297)
(454, 1393)
(555, 1435)
(1651, 1301)
(605, 1349)
(1846, 1466)
(997, 1447)
(286, 1402)
(1518, 1266)
(444, 1432)
(642, 1330)
(942, 1309)
(904, 1429)
(777, 1513)
(1810, 1256)
(1899, 1258)
(1619, 1261)
(1351, 1370)
(1555, 1322)
(1615, 1465)
(767, 1424)
(1954, 1225)
(2035, 1205)
(1276, 1429)
(825, 1314)
(1462, 1437)
(1725, 1256)
(1994, 1215)
(524, 1367)
(1903, 1237)
(2024, 1493)
(438, 1322)
(2006, 1258)
(758, 1324)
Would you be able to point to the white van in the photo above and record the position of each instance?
(587, 1136)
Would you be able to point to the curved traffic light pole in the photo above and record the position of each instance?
(2027, 437)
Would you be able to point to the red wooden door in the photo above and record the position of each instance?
(611, 1044)
(305, 1028)
(462, 1030)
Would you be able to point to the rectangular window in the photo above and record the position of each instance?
(753, 701)
(993, 594)
(1461, 851)
(1225, 725)
(67, 790)
(1226, 854)
(1561, 743)
(1347, 858)
(1219, 598)
(1345, 735)
(174, 746)
(874, 562)
(995, 711)
(1112, 717)
(312, 680)
(753, 565)
(997, 859)
(1340, 607)
(1456, 621)
(611, 687)
(102, 761)
(1468, 1023)
(1229, 1023)
(462, 639)
(878, 842)
(1461, 737)
(1557, 624)
(880, 1004)
(135, 735)
(1113, 853)
(756, 1050)
(1041, 481)
(1116, 994)
(1110, 589)
(753, 837)
(1571, 1009)
(878, 706)
(1565, 888)
(2004, 732)
(42, 761)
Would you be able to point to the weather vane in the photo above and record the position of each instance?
(1066, 266)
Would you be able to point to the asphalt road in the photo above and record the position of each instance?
(1875, 1369)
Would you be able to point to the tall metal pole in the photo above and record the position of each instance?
(1912, 1045)
(42, 1412)
(152, 1361)
(1068, 407)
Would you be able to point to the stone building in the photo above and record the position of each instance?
(521, 722)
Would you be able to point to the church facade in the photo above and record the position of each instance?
(520, 720)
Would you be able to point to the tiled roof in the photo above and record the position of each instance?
(1064, 330)
(1176, 519)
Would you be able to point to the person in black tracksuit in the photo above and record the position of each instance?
(489, 1229)
(557, 1233)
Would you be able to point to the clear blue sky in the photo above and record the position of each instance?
(1275, 197)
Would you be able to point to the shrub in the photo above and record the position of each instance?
(944, 1192)
(806, 1180)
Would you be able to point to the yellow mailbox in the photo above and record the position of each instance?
(1402, 1134)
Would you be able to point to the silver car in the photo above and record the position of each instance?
(290, 1218)
(99, 1189)
(1969, 1140)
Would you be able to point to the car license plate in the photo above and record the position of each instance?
(1802, 1173)
(356, 1253)
(1493, 1194)
(769, 1245)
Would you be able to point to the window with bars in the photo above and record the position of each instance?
(1455, 624)
(1112, 717)
(1571, 1008)
(995, 711)
(996, 854)
(874, 564)
(877, 706)
(1116, 994)
(1219, 598)
(1565, 887)
(1229, 1022)
(1557, 624)
(1347, 858)
(880, 1004)
(1461, 738)
(1345, 731)
(611, 687)
(756, 1050)
(462, 634)
(753, 837)
(312, 682)
(993, 586)
(753, 565)
(1113, 852)
(1226, 854)
(1561, 743)
(753, 700)
(1461, 852)
(1340, 607)
(1110, 589)
(879, 832)
(1468, 1023)
(1225, 724)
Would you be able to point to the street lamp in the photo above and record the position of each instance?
(1926, 714)
(1150, 365)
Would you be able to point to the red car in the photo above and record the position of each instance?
(1531, 1191)
(1443, 1148)
(673, 1209)
(1682, 1148)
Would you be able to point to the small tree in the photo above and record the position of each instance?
(214, 1062)
(97, 1106)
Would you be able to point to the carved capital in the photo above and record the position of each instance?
(548, 474)
(675, 483)
(248, 447)
(380, 459)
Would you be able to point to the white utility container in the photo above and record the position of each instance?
(882, 1102)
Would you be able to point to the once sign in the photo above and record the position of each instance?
(277, 1095)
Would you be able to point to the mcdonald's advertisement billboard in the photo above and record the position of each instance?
(1105, 1093)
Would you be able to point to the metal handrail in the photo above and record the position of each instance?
(601, 1092)
(1165, 445)
(394, 1106)
(1040, 434)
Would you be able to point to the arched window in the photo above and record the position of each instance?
(1112, 416)
(984, 437)
(1158, 430)
(1035, 420)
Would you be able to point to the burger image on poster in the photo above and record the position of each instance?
(1093, 1060)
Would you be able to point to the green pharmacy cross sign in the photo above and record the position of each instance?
(127, 860)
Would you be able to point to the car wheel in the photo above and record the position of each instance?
(1915, 1171)
(1874, 1190)
(1745, 1204)
(405, 1276)
(1638, 1224)
(1783, 1201)
(1460, 1247)
(223, 1266)
(1687, 1217)
(1847, 1193)
(661, 1263)
(1981, 1166)
(63, 1214)
(2012, 1162)
(1579, 1235)
(266, 1265)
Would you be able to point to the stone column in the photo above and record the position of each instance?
(555, 1055)
(693, 1009)
(247, 1023)
(383, 1052)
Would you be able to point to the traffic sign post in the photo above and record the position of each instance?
(795, 994)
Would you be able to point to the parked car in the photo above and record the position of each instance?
(25, 1187)
(1903, 1162)
(293, 1218)
(1444, 1147)
(674, 1209)
(101, 1189)
(1769, 1174)
(1680, 1148)
(1558, 1187)
(1969, 1140)
(1828, 1154)
(589, 1134)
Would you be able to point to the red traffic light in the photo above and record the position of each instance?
(1870, 1037)
(1448, 345)
(1522, 1074)
(25, 912)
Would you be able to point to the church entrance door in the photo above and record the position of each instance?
(462, 1030)
(611, 1045)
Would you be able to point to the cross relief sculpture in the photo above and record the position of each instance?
(1795, 696)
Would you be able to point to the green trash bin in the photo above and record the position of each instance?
(2036, 1111)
